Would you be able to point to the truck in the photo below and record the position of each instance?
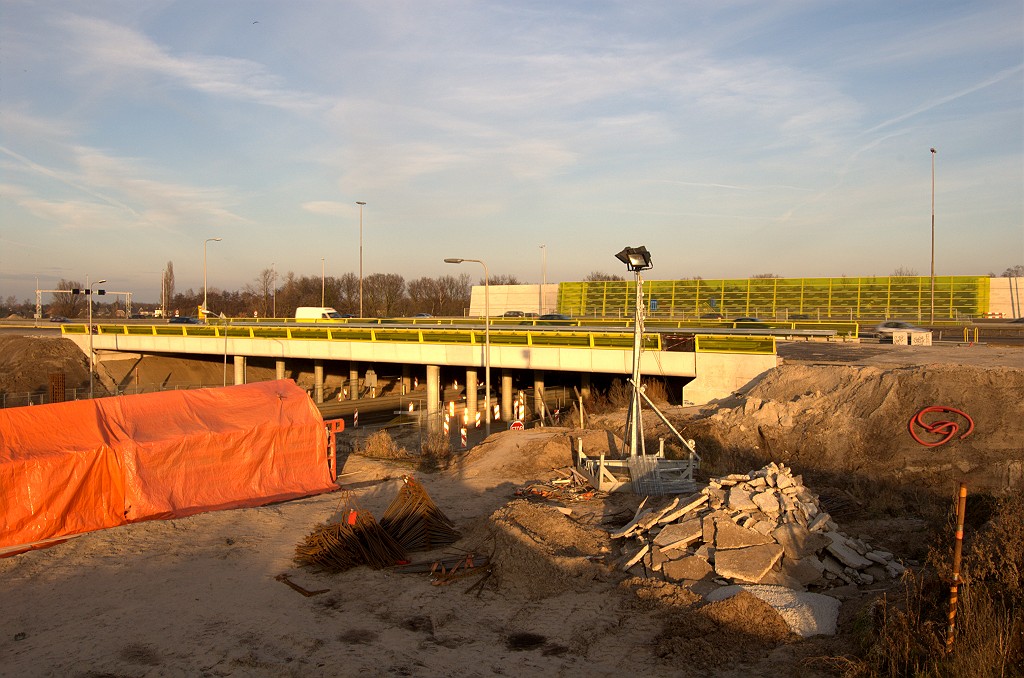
(314, 313)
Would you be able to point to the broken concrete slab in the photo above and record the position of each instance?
(684, 506)
(798, 541)
(747, 564)
(806, 570)
(845, 553)
(690, 567)
(768, 502)
(729, 535)
(739, 499)
(679, 534)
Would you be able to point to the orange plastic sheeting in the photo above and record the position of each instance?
(74, 467)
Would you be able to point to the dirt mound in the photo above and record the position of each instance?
(736, 629)
(26, 362)
(854, 420)
(539, 551)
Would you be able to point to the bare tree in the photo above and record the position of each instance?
(1013, 272)
(66, 303)
(260, 292)
(447, 295)
(904, 272)
(766, 275)
(169, 281)
(598, 276)
(383, 295)
(503, 280)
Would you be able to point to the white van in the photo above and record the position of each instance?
(309, 313)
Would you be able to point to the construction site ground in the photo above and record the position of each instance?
(202, 595)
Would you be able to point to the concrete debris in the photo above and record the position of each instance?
(763, 527)
(807, 614)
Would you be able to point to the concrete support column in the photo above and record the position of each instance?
(353, 380)
(506, 395)
(434, 397)
(318, 381)
(406, 380)
(585, 385)
(279, 369)
(471, 403)
(538, 394)
(239, 370)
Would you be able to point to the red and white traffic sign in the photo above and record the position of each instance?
(516, 426)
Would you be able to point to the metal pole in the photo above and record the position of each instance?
(273, 267)
(954, 585)
(92, 354)
(204, 273)
(360, 203)
(933, 237)
(543, 278)
(323, 281)
(635, 421)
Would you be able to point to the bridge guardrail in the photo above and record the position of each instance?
(436, 335)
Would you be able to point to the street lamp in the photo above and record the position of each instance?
(487, 340)
(323, 281)
(636, 259)
(543, 278)
(360, 203)
(92, 354)
(933, 238)
(205, 311)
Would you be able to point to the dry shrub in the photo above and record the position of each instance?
(436, 451)
(380, 445)
(907, 636)
(618, 394)
(655, 390)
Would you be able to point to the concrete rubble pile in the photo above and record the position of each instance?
(764, 527)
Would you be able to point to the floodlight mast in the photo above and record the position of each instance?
(636, 259)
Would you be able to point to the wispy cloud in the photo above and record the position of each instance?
(108, 49)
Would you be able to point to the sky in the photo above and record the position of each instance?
(729, 138)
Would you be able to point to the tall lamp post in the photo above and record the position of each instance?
(487, 340)
(323, 281)
(205, 311)
(92, 354)
(636, 259)
(273, 268)
(360, 203)
(543, 278)
(932, 320)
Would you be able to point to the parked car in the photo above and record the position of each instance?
(886, 328)
(712, 316)
(58, 319)
(554, 316)
(749, 323)
(184, 320)
(512, 314)
(423, 315)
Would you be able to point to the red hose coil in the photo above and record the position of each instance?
(946, 429)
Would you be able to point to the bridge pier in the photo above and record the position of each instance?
(239, 370)
(353, 380)
(506, 395)
(318, 381)
(433, 396)
(406, 379)
(279, 369)
(585, 384)
(538, 395)
(471, 400)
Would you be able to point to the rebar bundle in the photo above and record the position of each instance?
(355, 539)
(415, 521)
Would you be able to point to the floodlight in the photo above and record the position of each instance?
(635, 258)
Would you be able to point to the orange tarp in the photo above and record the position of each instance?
(79, 466)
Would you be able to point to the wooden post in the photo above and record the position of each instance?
(954, 585)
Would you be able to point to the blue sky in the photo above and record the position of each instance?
(730, 138)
